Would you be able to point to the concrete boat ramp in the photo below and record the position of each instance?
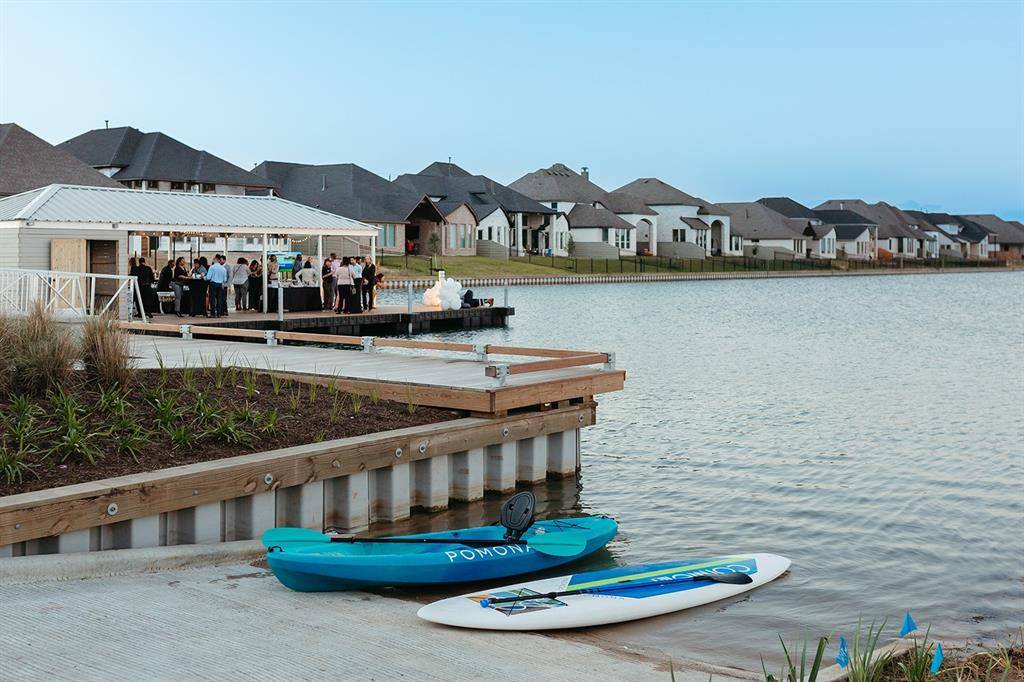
(235, 621)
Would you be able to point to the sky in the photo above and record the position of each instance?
(919, 104)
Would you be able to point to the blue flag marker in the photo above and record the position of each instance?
(937, 659)
(908, 625)
(843, 655)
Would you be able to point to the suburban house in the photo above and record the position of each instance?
(767, 234)
(28, 162)
(822, 235)
(961, 236)
(157, 161)
(407, 220)
(1008, 241)
(75, 228)
(898, 235)
(504, 219)
(681, 219)
(855, 234)
(586, 213)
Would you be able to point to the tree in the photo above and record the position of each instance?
(434, 244)
(570, 247)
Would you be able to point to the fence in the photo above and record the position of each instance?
(69, 295)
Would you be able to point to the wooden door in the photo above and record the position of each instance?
(70, 255)
(103, 261)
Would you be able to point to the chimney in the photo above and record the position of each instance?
(323, 187)
(585, 172)
(106, 123)
(842, 206)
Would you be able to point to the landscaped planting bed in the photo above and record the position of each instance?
(73, 410)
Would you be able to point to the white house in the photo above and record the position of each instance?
(766, 233)
(507, 222)
(682, 219)
(897, 233)
(821, 240)
(1007, 242)
(594, 219)
(973, 238)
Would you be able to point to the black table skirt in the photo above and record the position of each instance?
(295, 299)
(195, 297)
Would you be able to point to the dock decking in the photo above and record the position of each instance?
(450, 382)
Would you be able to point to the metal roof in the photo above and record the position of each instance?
(224, 212)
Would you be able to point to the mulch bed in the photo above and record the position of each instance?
(208, 414)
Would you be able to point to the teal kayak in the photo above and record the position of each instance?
(321, 567)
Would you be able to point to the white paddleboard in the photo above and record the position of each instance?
(641, 592)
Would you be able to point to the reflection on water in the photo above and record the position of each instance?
(868, 428)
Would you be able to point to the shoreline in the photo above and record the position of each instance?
(398, 283)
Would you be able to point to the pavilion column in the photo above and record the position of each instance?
(320, 263)
(264, 283)
(373, 248)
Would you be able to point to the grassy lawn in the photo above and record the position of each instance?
(467, 266)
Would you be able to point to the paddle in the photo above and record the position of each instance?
(561, 544)
(728, 578)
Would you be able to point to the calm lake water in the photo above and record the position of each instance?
(871, 429)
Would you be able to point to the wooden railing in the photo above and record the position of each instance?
(558, 358)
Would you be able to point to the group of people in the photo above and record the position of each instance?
(348, 283)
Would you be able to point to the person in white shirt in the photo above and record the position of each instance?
(240, 281)
(307, 276)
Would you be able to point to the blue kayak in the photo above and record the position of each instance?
(322, 567)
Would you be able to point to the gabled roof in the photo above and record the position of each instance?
(1006, 232)
(787, 207)
(967, 230)
(347, 189)
(155, 156)
(558, 183)
(850, 232)
(752, 220)
(695, 223)
(585, 215)
(29, 162)
(655, 192)
(480, 193)
(130, 207)
(843, 217)
(890, 220)
(444, 168)
(821, 231)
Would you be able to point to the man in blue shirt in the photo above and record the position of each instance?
(217, 276)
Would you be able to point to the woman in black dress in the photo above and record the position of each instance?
(165, 279)
(145, 276)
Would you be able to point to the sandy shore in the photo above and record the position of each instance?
(234, 620)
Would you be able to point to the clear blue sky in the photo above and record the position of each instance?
(919, 104)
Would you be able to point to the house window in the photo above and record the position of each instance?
(387, 234)
(177, 186)
(604, 235)
(208, 187)
(554, 205)
(452, 236)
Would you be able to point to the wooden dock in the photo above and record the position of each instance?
(381, 321)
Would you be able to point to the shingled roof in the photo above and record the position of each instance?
(483, 196)
(752, 220)
(585, 215)
(28, 162)
(346, 189)
(558, 183)
(891, 221)
(155, 156)
(787, 207)
(1006, 232)
(655, 192)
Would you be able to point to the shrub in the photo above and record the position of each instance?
(105, 351)
(36, 353)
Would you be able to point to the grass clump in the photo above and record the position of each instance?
(105, 353)
(796, 669)
(37, 355)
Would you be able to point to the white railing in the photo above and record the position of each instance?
(70, 295)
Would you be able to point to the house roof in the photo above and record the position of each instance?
(558, 183)
(220, 212)
(480, 193)
(843, 217)
(347, 189)
(787, 207)
(155, 156)
(585, 215)
(753, 220)
(891, 221)
(1006, 232)
(848, 232)
(821, 231)
(655, 192)
(695, 223)
(29, 162)
(623, 203)
(967, 230)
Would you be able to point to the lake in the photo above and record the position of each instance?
(869, 428)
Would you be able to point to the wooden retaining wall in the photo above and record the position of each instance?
(346, 483)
